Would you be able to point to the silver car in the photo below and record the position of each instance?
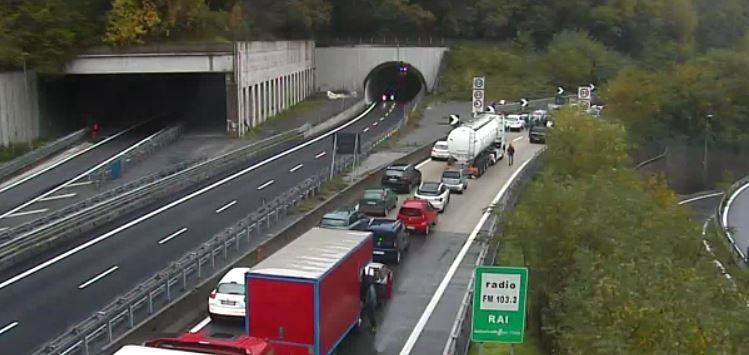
(455, 180)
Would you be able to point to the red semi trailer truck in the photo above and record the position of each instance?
(304, 299)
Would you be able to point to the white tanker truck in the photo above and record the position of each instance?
(478, 143)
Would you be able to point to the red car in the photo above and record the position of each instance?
(201, 343)
(418, 215)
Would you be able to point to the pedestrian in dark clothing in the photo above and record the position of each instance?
(368, 296)
(511, 154)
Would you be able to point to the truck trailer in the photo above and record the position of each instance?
(304, 299)
(473, 143)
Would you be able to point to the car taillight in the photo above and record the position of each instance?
(212, 295)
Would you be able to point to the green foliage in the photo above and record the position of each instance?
(619, 266)
(575, 58)
(130, 20)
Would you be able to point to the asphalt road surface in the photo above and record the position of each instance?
(424, 267)
(44, 297)
(737, 217)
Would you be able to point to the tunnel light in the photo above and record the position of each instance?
(392, 97)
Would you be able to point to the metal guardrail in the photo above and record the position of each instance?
(36, 236)
(183, 276)
(723, 221)
(390, 40)
(14, 166)
(459, 340)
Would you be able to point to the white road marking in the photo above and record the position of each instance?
(690, 200)
(63, 161)
(518, 139)
(266, 184)
(419, 328)
(25, 213)
(366, 130)
(382, 118)
(82, 183)
(425, 162)
(98, 277)
(58, 197)
(226, 206)
(724, 222)
(173, 235)
(200, 325)
(180, 201)
(375, 123)
(80, 176)
(3, 229)
(8, 327)
(299, 166)
(320, 155)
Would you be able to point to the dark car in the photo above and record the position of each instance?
(391, 239)
(537, 134)
(378, 201)
(343, 219)
(401, 177)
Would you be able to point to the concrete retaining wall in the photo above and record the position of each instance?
(19, 108)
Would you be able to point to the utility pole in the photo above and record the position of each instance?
(708, 118)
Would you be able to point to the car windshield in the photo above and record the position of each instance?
(230, 289)
(451, 175)
(413, 212)
(393, 172)
(441, 145)
(333, 222)
(372, 195)
(429, 189)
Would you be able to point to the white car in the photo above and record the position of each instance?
(436, 193)
(439, 151)
(228, 299)
(514, 123)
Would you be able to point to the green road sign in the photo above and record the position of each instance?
(499, 304)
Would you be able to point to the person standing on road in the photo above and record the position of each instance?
(368, 297)
(511, 154)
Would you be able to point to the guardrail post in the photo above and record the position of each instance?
(168, 290)
(184, 279)
(110, 336)
(150, 303)
(130, 316)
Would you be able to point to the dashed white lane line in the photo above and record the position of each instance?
(98, 277)
(58, 197)
(299, 166)
(226, 206)
(375, 123)
(268, 183)
(690, 200)
(3, 229)
(382, 118)
(8, 327)
(173, 235)
(24, 213)
(320, 155)
(200, 325)
(366, 130)
(518, 139)
(82, 183)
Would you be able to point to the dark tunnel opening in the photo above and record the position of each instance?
(118, 101)
(401, 80)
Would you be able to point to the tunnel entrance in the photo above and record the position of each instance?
(121, 100)
(399, 79)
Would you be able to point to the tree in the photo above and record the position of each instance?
(636, 98)
(130, 21)
(574, 58)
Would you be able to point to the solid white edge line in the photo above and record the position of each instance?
(200, 325)
(297, 167)
(173, 235)
(4, 229)
(77, 154)
(226, 206)
(730, 201)
(8, 327)
(266, 184)
(689, 200)
(58, 197)
(82, 183)
(181, 200)
(425, 162)
(419, 328)
(24, 213)
(85, 173)
(98, 277)
(320, 155)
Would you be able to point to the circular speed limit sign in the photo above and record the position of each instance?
(477, 103)
(478, 94)
(478, 83)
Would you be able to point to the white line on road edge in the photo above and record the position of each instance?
(82, 175)
(226, 206)
(58, 197)
(66, 159)
(180, 201)
(266, 184)
(200, 325)
(320, 155)
(98, 277)
(518, 138)
(173, 235)
(24, 213)
(82, 183)
(419, 328)
(425, 162)
(690, 200)
(3, 229)
(299, 166)
(8, 327)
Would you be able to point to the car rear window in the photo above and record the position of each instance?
(394, 172)
(334, 222)
(372, 195)
(230, 289)
(441, 145)
(429, 189)
(451, 174)
(414, 212)
(385, 239)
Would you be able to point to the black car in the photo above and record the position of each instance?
(537, 134)
(401, 177)
(391, 239)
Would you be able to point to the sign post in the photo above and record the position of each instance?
(499, 301)
(479, 83)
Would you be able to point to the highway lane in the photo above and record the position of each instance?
(735, 217)
(118, 258)
(425, 264)
(17, 193)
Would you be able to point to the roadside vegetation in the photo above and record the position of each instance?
(16, 150)
(616, 266)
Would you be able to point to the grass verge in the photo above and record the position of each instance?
(312, 102)
(328, 189)
(16, 150)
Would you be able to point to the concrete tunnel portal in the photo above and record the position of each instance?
(400, 79)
